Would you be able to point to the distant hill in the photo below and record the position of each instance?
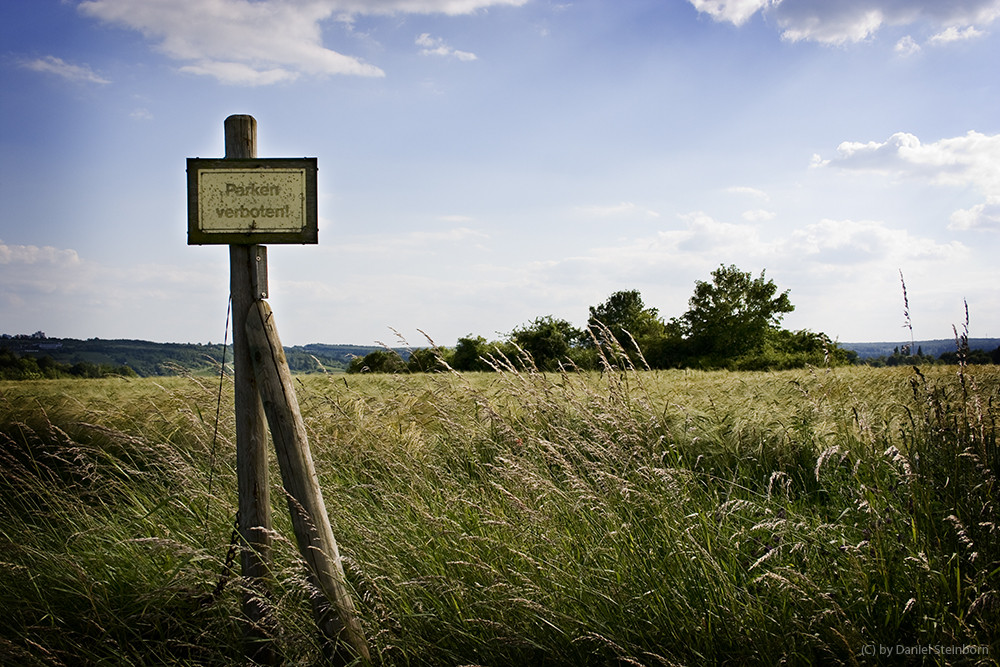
(934, 348)
(147, 358)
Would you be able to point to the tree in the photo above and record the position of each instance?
(469, 353)
(377, 361)
(626, 317)
(732, 315)
(426, 360)
(549, 341)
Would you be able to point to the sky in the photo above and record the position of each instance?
(483, 163)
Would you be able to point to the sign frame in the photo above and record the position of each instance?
(248, 167)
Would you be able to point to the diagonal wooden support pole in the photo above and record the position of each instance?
(337, 619)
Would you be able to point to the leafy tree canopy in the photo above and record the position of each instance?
(623, 314)
(731, 315)
(378, 361)
(548, 340)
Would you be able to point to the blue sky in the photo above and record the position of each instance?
(485, 162)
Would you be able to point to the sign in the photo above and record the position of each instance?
(252, 201)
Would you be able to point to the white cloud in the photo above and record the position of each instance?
(758, 215)
(736, 12)
(33, 255)
(435, 46)
(969, 160)
(848, 21)
(984, 216)
(907, 46)
(236, 41)
(59, 67)
(878, 156)
(625, 208)
(823, 246)
(752, 192)
(30, 274)
(240, 74)
(953, 34)
(265, 41)
(413, 242)
(448, 7)
(705, 234)
(850, 242)
(972, 160)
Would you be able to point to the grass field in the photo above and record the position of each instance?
(634, 518)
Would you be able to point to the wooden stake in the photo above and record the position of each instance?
(305, 499)
(251, 429)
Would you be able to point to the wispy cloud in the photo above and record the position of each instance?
(241, 74)
(268, 41)
(414, 242)
(625, 208)
(68, 71)
(746, 190)
(435, 46)
(954, 34)
(857, 242)
(847, 21)
(19, 255)
(908, 46)
(758, 215)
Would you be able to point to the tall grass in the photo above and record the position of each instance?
(653, 518)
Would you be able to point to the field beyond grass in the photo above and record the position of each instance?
(841, 516)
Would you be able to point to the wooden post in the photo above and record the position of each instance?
(251, 429)
(337, 618)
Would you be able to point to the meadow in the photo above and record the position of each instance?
(821, 516)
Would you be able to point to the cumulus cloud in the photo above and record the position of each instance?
(969, 160)
(972, 160)
(435, 46)
(264, 42)
(68, 71)
(907, 46)
(848, 21)
(985, 216)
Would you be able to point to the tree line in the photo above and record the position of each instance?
(15, 367)
(733, 322)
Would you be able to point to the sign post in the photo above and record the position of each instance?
(244, 201)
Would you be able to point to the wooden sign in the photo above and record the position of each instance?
(252, 201)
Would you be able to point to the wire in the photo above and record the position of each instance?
(218, 412)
